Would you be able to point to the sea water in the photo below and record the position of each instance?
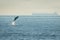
(30, 28)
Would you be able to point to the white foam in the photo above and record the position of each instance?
(13, 23)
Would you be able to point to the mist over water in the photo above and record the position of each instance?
(35, 27)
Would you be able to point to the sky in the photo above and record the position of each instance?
(27, 7)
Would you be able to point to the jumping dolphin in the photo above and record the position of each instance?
(13, 23)
(16, 18)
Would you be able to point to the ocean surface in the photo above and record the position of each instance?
(30, 28)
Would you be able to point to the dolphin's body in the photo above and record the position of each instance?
(16, 18)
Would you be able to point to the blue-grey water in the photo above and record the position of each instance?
(30, 28)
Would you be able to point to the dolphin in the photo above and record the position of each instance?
(16, 18)
(13, 23)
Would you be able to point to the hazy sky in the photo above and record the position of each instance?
(26, 7)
